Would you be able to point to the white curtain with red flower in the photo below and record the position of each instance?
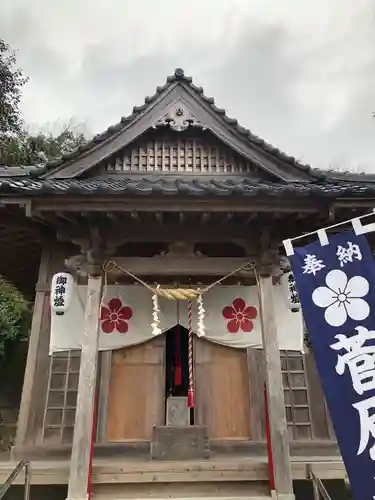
(232, 318)
(125, 319)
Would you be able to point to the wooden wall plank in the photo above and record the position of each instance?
(136, 400)
(202, 386)
(316, 400)
(317, 404)
(221, 385)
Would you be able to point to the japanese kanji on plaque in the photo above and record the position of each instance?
(336, 287)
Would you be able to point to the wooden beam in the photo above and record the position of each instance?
(159, 218)
(169, 233)
(168, 204)
(276, 405)
(355, 203)
(251, 217)
(71, 220)
(181, 266)
(17, 239)
(113, 217)
(205, 217)
(80, 458)
(158, 232)
(228, 217)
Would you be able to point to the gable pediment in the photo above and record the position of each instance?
(172, 150)
(179, 107)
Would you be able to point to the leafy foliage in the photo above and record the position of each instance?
(11, 83)
(15, 315)
(19, 147)
(37, 149)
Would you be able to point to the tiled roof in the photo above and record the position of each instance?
(19, 171)
(343, 182)
(185, 187)
(179, 76)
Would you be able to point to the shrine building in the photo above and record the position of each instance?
(167, 339)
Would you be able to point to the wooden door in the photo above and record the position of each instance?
(136, 394)
(222, 390)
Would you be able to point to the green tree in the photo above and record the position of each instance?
(15, 315)
(38, 148)
(11, 82)
(18, 146)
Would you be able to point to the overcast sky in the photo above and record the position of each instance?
(299, 73)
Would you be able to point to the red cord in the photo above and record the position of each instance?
(269, 446)
(177, 355)
(191, 402)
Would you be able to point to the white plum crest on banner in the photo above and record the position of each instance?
(342, 298)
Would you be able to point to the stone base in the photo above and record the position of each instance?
(180, 443)
(178, 412)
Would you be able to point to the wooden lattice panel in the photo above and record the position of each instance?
(59, 414)
(177, 153)
(296, 396)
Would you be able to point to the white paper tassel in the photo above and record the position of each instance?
(155, 315)
(201, 330)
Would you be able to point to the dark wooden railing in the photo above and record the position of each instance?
(318, 487)
(8, 483)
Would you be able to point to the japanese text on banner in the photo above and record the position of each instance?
(336, 286)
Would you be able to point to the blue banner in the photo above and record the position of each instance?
(336, 286)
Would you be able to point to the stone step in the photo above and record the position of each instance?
(183, 491)
(263, 497)
(171, 443)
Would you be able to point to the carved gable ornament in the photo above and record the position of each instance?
(179, 118)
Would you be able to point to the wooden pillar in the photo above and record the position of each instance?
(256, 373)
(79, 464)
(279, 437)
(40, 306)
(104, 386)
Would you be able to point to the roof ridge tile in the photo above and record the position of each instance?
(203, 186)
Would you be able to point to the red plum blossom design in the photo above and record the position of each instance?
(115, 316)
(239, 315)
